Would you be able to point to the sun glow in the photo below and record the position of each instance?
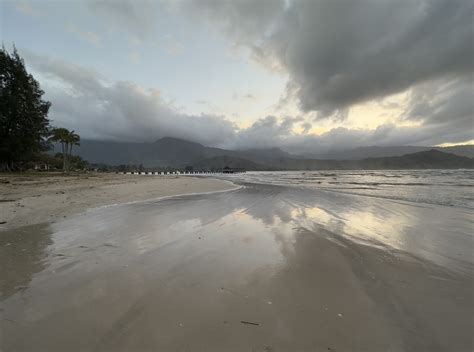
(469, 142)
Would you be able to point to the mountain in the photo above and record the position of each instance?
(175, 152)
(461, 150)
(431, 159)
(220, 162)
(379, 152)
(165, 152)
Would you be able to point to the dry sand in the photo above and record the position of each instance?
(33, 199)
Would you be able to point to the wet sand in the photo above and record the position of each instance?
(263, 268)
(33, 199)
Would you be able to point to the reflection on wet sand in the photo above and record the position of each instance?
(23, 253)
(184, 273)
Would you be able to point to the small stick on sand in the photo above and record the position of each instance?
(248, 322)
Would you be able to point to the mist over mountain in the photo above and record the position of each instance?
(430, 159)
(178, 152)
(166, 152)
(378, 152)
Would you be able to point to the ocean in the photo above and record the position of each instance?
(442, 187)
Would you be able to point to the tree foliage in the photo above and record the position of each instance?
(67, 139)
(24, 123)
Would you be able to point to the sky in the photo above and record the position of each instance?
(302, 75)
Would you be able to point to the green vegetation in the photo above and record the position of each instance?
(24, 124)
(67, 139)
(25, 131)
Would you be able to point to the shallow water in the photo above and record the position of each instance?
(442, 187)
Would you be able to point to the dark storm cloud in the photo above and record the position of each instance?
(444, 102)
(341, 52)
(243, 19)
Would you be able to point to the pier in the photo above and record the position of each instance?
(188, 173)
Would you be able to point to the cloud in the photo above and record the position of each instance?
(83, 100)
(306, 126)
(265, 132)
(445, 102)
(137, 18)
(122, 110)
(78, 78)
(91, 37)
(339, 53)
(244, 20)
(270, 132)
(27, 9)
(247, 96)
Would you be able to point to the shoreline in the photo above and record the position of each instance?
(33, 199)
(263, 268)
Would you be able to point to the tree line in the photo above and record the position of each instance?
(25, 130)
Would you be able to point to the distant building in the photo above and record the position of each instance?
(42, 167)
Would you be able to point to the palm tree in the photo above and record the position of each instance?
(60, 135)
(67, 139)
(72, 139)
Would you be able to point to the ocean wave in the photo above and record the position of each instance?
(440, 187)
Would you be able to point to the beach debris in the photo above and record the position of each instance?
(110, 245)
(180, 325)
(2, 222)
(340, 315)
(249, 322)
(20, 288)
(269, 302)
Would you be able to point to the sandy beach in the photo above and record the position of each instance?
(260, 268)
(27, 200)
